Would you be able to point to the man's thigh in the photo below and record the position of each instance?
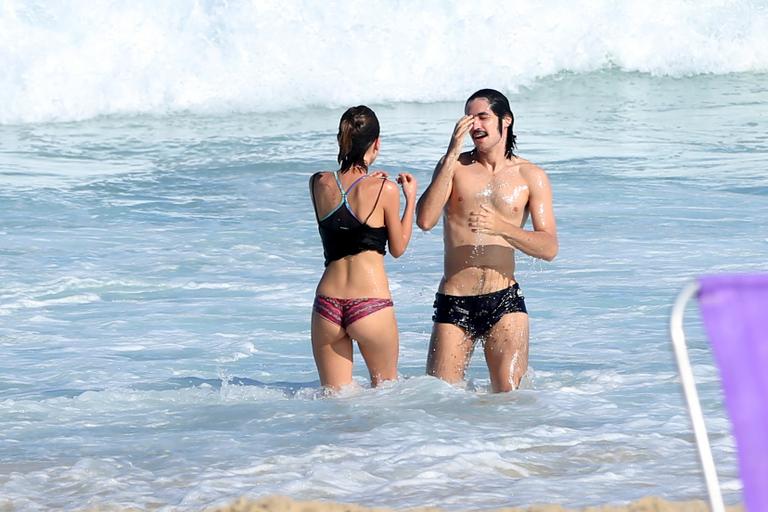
(506, 351)
(449, 352)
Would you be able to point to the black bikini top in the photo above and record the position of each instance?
(342, 233)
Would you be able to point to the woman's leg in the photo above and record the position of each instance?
(376, 335)
(332, 349)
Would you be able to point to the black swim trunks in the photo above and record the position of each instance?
(478, 313)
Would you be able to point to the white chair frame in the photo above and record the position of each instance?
(692, 397)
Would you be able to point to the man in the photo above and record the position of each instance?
(486, 196)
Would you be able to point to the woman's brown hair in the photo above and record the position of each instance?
(358, 129)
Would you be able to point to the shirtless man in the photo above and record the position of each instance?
(486, 196)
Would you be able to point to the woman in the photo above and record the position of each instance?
(357, 215)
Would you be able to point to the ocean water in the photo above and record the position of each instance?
(159, 253)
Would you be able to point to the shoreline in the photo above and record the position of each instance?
(285, 504)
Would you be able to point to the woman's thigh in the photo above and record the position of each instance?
(377, 336)
(332, 349)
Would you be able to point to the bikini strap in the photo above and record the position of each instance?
(345, 193)
(354, 183)
(383, 180)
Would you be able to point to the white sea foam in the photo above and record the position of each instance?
(79, 59)
(82, 298)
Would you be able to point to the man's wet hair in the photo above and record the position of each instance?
(358, 129)
(500, 106)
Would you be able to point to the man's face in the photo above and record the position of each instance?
(485, 125)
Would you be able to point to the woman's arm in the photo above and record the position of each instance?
(399, 229)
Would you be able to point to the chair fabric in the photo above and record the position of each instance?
(734, 311)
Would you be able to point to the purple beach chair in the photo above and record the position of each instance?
(734, 311)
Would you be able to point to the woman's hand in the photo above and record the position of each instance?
(408, 182)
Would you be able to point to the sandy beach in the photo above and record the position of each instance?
(284, 504)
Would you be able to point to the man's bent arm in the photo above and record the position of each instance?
(538, 244)
(542, 241)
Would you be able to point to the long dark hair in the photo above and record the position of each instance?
(358, 129)
(500, 106)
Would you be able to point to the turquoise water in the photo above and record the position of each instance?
(158, 274)
(159, 253)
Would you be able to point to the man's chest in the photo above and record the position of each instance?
(507, 194)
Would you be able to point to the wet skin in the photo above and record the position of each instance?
(485, 200)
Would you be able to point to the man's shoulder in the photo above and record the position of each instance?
(526, 168)
(534, 176)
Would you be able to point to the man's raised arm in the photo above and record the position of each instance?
(432, 201)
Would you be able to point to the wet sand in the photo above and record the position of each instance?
(283, 504)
